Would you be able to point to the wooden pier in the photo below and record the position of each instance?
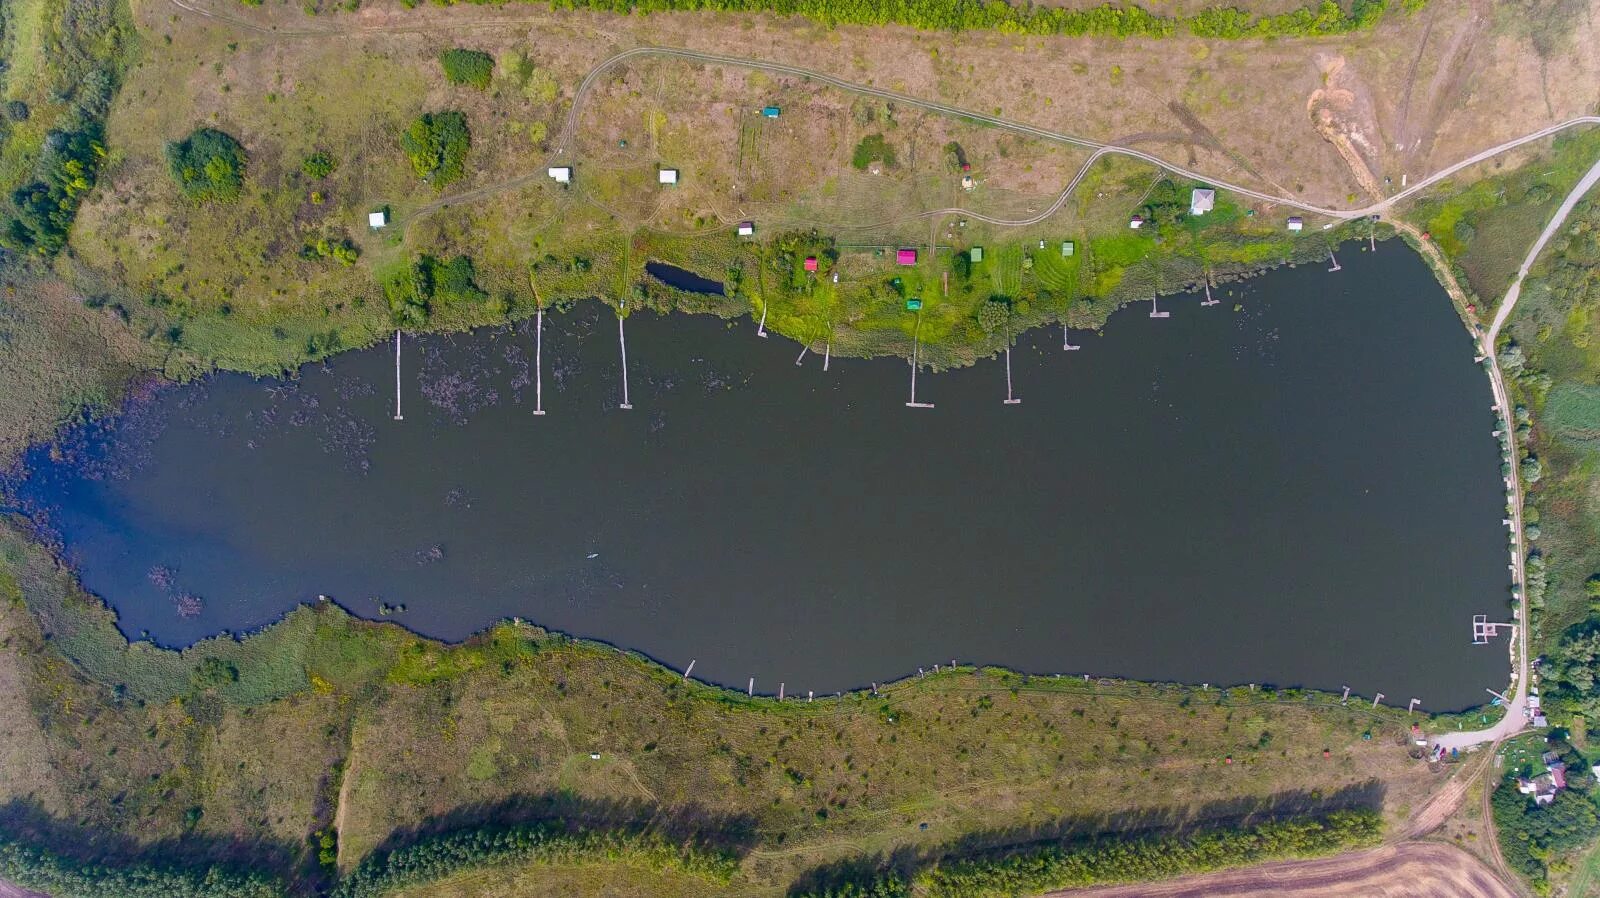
(916, 343)
(622, 340)
(1483, 630)
(1010, 399)
(397, 415)
(1157, 313)
(538, 363)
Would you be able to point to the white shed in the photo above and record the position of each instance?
(561, 174)
(1295, 223)
(669, 176)
(747, 229)
(378, 219)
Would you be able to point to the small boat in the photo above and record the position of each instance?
(593, 555)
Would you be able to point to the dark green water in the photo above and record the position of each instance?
(1304, 492)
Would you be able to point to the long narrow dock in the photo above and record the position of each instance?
(538, 363)
(916, 343)
(397, 415)
(622, 340)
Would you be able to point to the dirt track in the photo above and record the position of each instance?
(7, 890)
(1393, 871)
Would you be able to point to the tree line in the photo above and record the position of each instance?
(534, 843)
(1108, 20)
(1069, 865)
(36, 868)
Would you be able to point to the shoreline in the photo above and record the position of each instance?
(41, 538)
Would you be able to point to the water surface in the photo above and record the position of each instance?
(1302, 491)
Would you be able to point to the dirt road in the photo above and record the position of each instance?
(1406, 870)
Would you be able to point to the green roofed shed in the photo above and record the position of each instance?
(913, 304)
(771, 111)
(1067, 248)
(977, 254)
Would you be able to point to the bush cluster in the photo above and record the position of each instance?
(339, 249)
(415, 292)
(69, 166)
(437, 144)
(319, 165)
(474, 68)
(208, 165)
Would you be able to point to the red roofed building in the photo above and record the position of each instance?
(906, 257)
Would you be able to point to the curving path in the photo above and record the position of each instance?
(1516, 718)
(569, 127)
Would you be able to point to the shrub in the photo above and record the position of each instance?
(208, 165)
(339, 249)
(992, 315)
(470, 67)
(416, 292)
(437, 144)
(872, 148)
(319, 165)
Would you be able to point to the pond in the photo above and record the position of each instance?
(673, 276)
(1296, 486)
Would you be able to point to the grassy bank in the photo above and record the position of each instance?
(252, 750)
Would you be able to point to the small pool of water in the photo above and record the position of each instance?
(673, 276)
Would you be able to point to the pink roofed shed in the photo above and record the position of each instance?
(811, 263)
(906, 257)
